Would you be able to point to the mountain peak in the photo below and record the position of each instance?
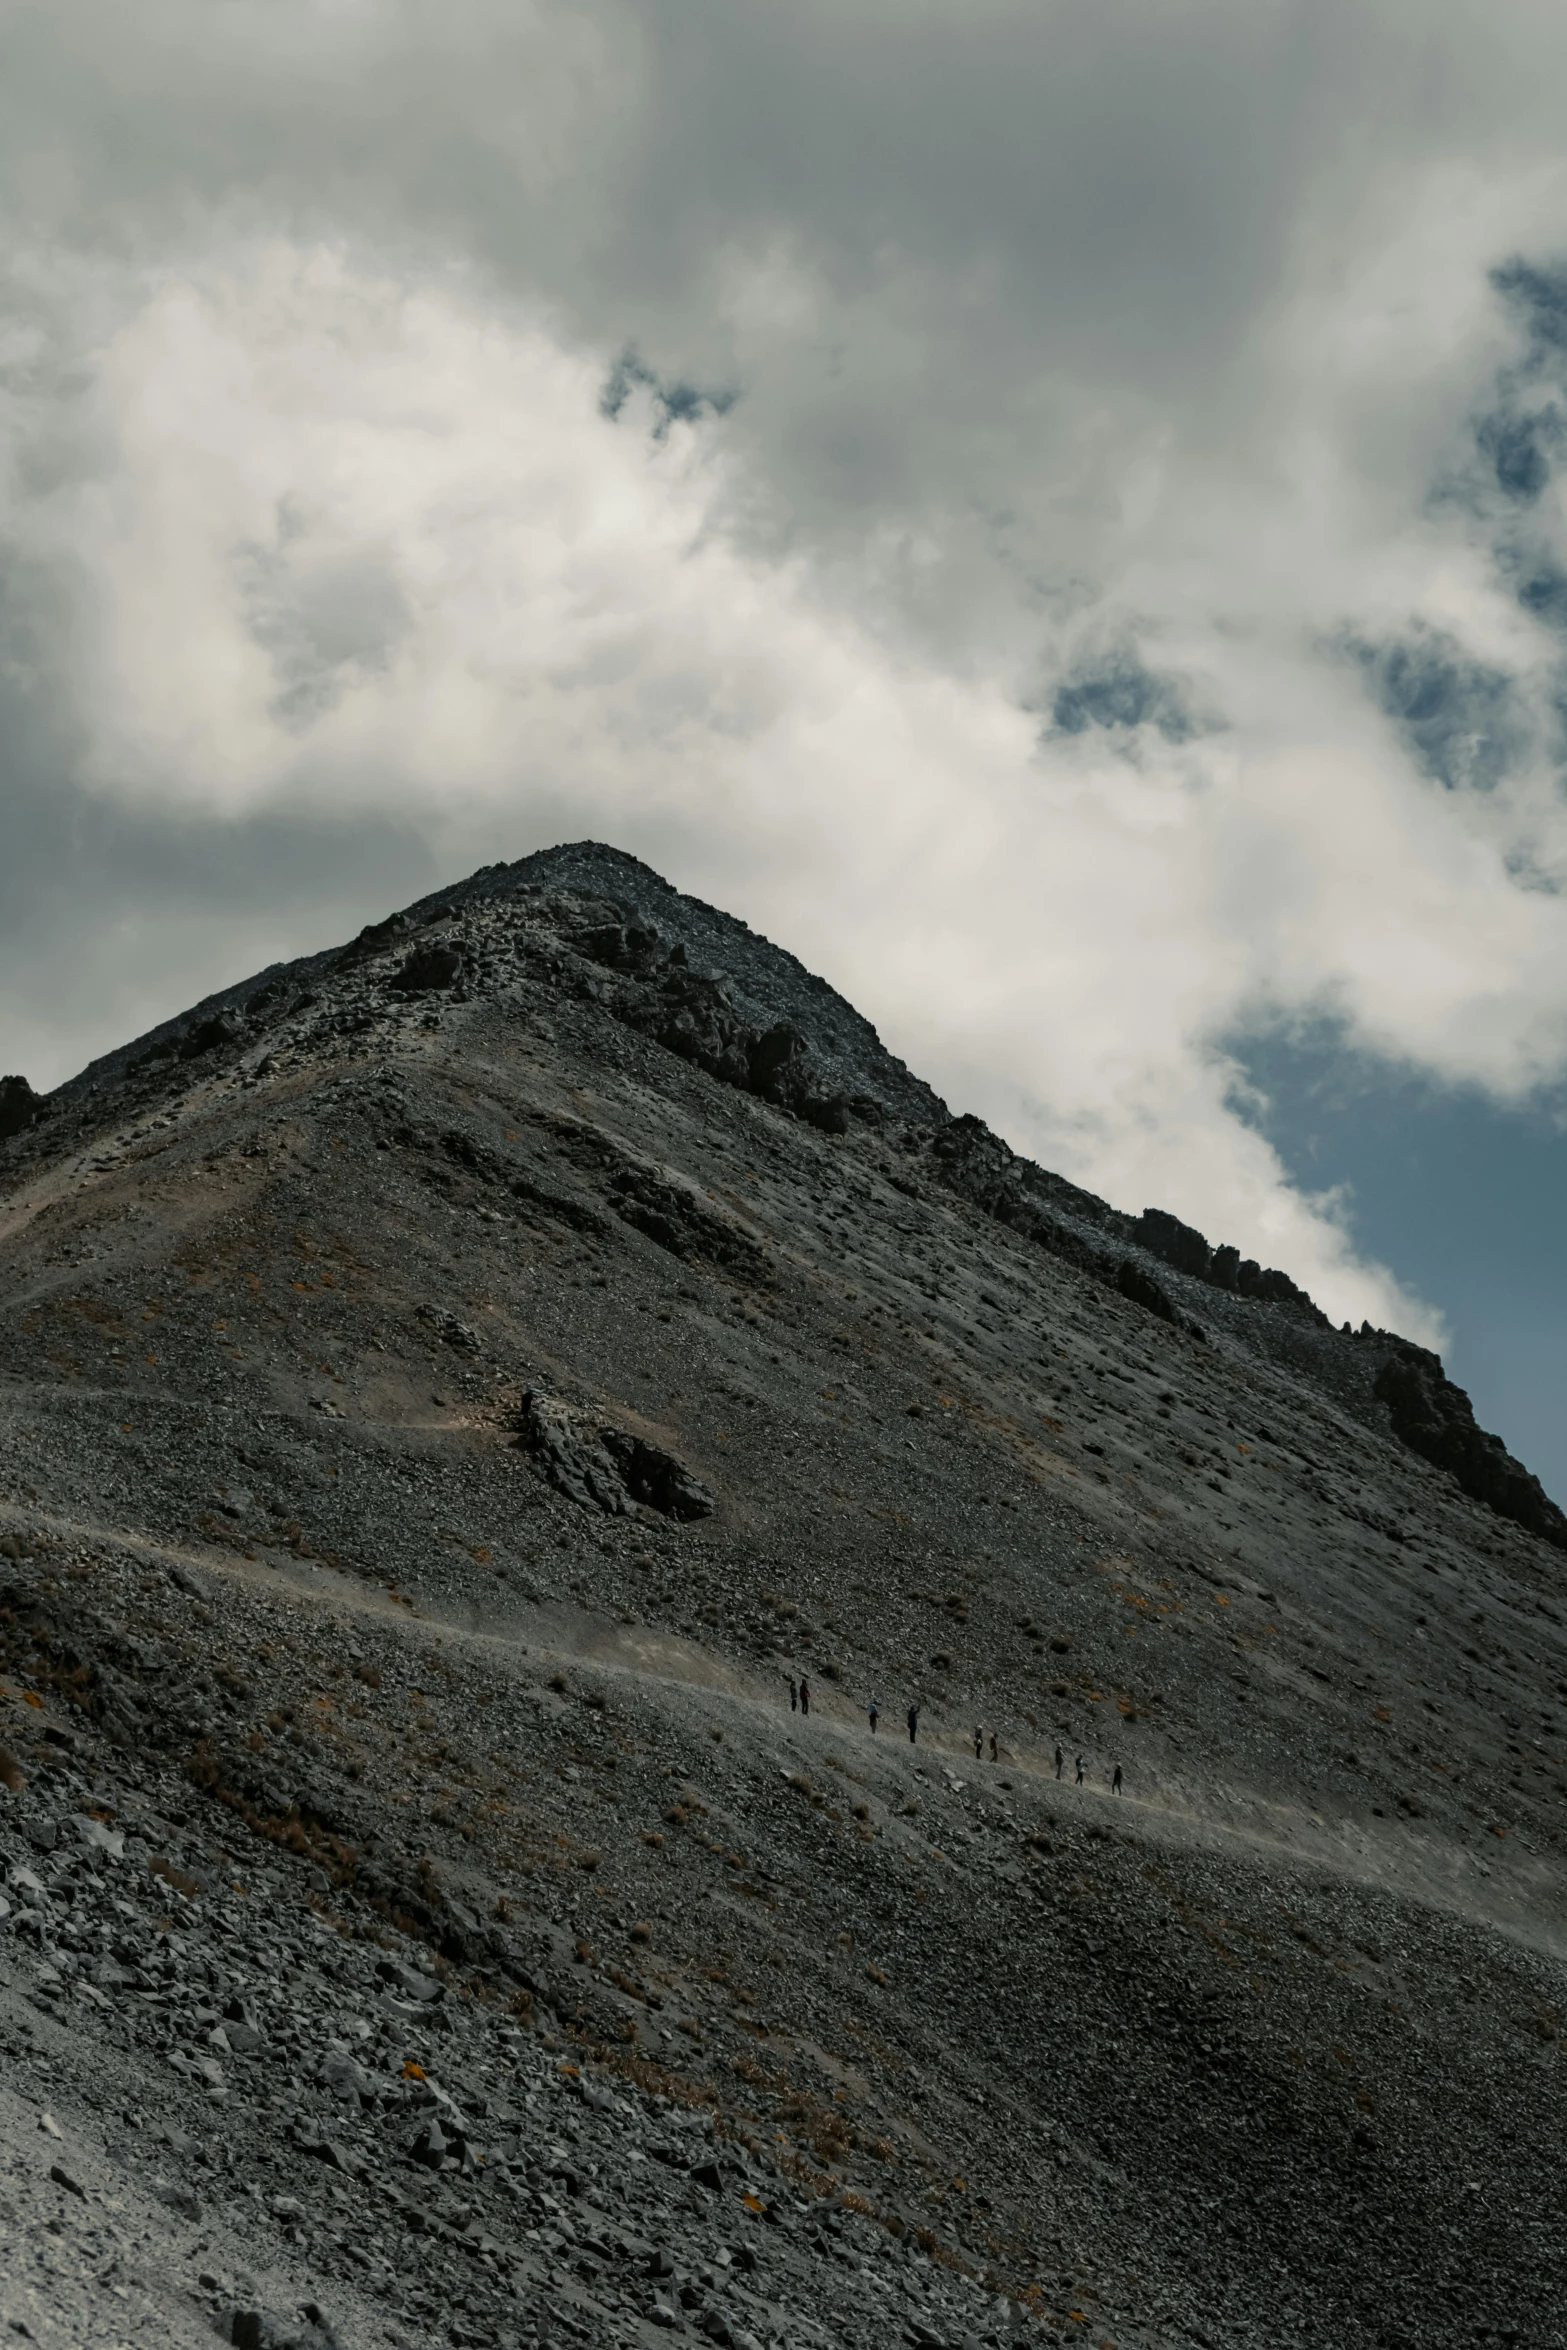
(613, 932)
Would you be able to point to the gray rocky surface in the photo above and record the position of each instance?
(448, 1389)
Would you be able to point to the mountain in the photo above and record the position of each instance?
(451, 1386)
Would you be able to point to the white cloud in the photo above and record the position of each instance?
(302, 455)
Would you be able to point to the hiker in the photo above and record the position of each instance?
(1079, 1770)
(994, 1756)
(979, 1743)
(1115, 1783)
(875, 1715)
(805, 1695)
(794, 1697)
(1060, 1762)
(914, 1723)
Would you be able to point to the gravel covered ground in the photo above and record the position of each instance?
(449, 1390)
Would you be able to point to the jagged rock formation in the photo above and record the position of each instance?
(608, 1468)
(449, 1388)
(1435, 1419)
(1185, 1248)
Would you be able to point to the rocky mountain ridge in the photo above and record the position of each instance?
(707, 988)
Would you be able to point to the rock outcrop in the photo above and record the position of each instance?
(19, 1106)
(608, 1468)
(1436, 1419)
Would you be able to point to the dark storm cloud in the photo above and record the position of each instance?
(916, 238)
(113, 919)
(111, 915)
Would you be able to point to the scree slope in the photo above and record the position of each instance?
(450, 1388)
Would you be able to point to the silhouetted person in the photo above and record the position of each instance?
(805, 1695)
(794, 1698)
(1079, 1770)
(875, 1716)
(1060, 1762)
(1115, 1783)
(979, 1744)
(994, 1756)
(914, 1723)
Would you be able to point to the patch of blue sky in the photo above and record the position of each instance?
(1464, 1200)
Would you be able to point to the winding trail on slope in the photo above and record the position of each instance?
(1518, 1901)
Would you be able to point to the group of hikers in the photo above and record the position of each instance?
(800, 1702)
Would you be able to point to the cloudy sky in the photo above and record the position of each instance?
(1053, 512)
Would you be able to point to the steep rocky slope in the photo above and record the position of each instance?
(450, 1387)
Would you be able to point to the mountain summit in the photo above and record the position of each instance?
(465, 1395)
